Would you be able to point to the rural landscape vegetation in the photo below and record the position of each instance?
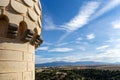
(96, 72)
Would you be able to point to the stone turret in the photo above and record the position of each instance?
(20, 30)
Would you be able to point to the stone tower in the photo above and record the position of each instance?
(20, 30)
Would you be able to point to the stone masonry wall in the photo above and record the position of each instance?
(20, 31)
(16, 61)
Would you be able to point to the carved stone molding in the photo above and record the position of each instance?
(13, 12)
(20, 30)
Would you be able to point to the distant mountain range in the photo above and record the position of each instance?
(62, 63)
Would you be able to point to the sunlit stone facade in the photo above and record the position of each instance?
(20, 31)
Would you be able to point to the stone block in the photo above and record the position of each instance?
(31, 66)
(11, 76)
(31, 49)
(28, 57)
(11, 55)
(13, 46)
(27, 76)
(33, 75)
(12, 66)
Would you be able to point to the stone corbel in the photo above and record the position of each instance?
(38, 41)
(12, 30)
(28, 35)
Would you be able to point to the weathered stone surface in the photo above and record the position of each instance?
(32, 15)
(12, 46)
(37, 9)
(17, 58)
(35, 0)
(31, 49)
(12, 66)
(27, 76)
(11, 55)
(28, 56)
(4, 3)
(30, 24)
(40, 6)
(31, 66)
(39, 30)
(18, 7)
(29, 2)
(39, 22)
(11, 76)
(13, 18)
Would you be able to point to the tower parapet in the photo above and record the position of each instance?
(20, 31)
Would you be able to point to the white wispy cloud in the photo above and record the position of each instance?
(82, 18)
(39, 59)
(43, 48)
(61, 50)
(113, 40)
(107, 7)
(82, 48)
(62, 44)
(49, 23)
(47, 43)
(102, 47)
(116, 24)
(111, 4)
(109, 55)
(79, 39)
(90, 36)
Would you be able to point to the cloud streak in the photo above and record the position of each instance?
(42, 48)
(109, 6)
(102, 47)
(49, 23)
(116, 24)
(90, 36)
(61, 50)
(110, 55)
(82, 18)
(85, 20)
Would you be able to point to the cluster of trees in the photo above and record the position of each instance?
(86, 74)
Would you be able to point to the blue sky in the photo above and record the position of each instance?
(80, 30)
